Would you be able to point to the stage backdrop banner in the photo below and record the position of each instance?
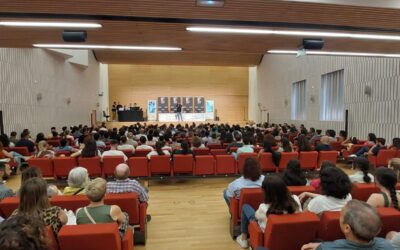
(163, 105)
(210, 110)
(151, 110)
(187, 106)
(199, 104)
(173, 101)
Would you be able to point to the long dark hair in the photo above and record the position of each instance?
(276, 157)
(277, 195)
(303, 144)
(293, 175)
(185, 147)
(251, 169)
(387, 178)
(33, 197)
(159, 146)
(286, 145)
(90, 149)
(362, 164)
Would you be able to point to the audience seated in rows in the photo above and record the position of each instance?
(386, 180)
(78, 179)
(277, 200)
(360, 224)
(252, 178)
(293, 176)
(362, 167)
(114, 151)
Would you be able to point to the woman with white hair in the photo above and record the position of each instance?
(78, 180)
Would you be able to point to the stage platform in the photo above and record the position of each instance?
(120, 124)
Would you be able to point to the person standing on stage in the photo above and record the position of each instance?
(178, 111)
(114, 111)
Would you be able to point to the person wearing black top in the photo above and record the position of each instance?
(293, 176)
(178, 111)
(25, 142)
(114, 111)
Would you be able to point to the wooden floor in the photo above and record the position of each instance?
(186, 214)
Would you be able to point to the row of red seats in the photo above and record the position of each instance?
(302, 227)
(128, 202)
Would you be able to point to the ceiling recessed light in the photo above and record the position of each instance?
(49, 24)
(114, 47)
(334, 53)
(210, 3)
(294, 33)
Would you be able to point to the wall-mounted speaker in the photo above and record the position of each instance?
(74, 36)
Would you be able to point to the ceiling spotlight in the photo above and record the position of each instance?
(210, 3)
(49, 24)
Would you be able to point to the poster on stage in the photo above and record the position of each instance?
(162, 105)
(210, 109)
(187, 106)
(151, 110)
(199, 104)
(173, 101)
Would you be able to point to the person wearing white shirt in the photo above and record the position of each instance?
(130, 140)
(277, 200)
(246, 148)
(124, 145)
(143, 144)
(335, 192)
(113, 151)
(158, 151)
(362, 167)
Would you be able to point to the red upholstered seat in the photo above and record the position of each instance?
(233, 149)
(283, 232)
(337, 146)
(183, 164)
(266, 162)
(225, 164)
(242, 158)
(308, 160)
(215, 152)
(252, 196)
(204, 165)
(215, 146)
(142, 152)
(285, 158)
(109, 164)
(362, 191)
(52, 243)
(330, 156)
(44, 164)
(129, 203)
(383, 157)
(127, 152)
(390, 218)
(201, 151)
(354, 148)
(138, 166)
(62, 166)
(92, 164)
(160, 164)
(69, 202)
(20, 150)
(55, 143)
(63, 152)
(8, 205)
(329, 226)
(297, 190)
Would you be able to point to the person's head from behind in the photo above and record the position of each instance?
(335, 183)
(142, 140)
(387, 178)
(246, 140)
(23, 232)
(25, 134)
(380, 142)
(123, 139)
(238, 137)
(42, 145)
(96, 136)
(122, 171)
(343, 134)
(159, 146)
(90, 148)
(286, 144)
(277, 195)
(319, 131)
(39, 137)
(13, 134)
(395, 165)
(267, 146)
(96, 190)
(293, 167)
(33, 197)
(325, 140)
(362, 164)
(185, 147)
(372, 137)
(63, 142)
(30, 173)
(251, 169)
(5, 171)
(303, 143)
(396, 143)
(360, 221)
(78, 177)
(196, 141)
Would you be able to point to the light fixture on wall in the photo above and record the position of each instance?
(210, 3)
(367, 90)
(312, 98)
(39, 97)
(49, 24)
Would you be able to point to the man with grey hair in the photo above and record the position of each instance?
(360, 224)
(123, 184)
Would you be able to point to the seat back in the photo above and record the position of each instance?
(233, 149)
(329, 226)
(285, 158)
(90, 237)
(337, 146)
(109, 164)
(252, 196)
(215, 152)
(52, 243)
(8, 205)
(127, 152)
(138, 166)
(183, 164)
(215, 146)
(54, 142)
(63, 152)
(308, 160)
(383, 157)
(204, 165)
(297, 190)
(390, 218)
(128, 202)
(69, 202)
(92, 164)
(354, 148)
(330, 156)
(160, 164)
(62, 166)
(290, 231)
(242, 158)
(142, 152)
(20, 150)
(266, 162)
(225, 164)
(362, 191)
(201, 151)
(44, 164)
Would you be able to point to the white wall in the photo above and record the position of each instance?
(254, 111)
(26, 72)
(379, 113)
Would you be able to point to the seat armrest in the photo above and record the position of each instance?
(127, 241)
(372, 159)
(143, 215)
(256, 235)
(234, 210)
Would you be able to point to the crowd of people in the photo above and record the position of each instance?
(334, 185)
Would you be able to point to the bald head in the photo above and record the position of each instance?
(363, 220)
(325, 140)
(122, 171)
